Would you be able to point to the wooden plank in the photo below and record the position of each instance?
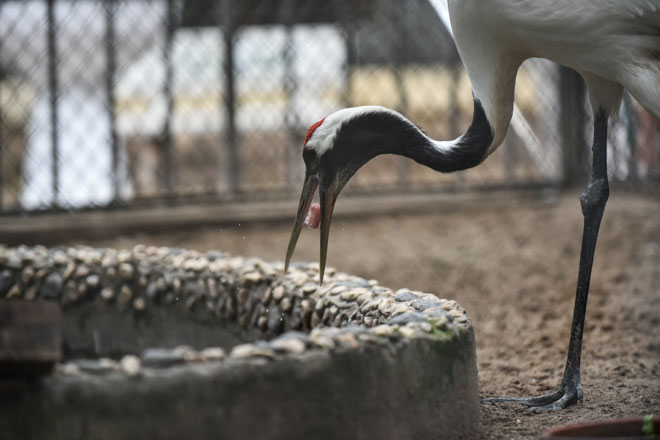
(52, 228)
(30, 337)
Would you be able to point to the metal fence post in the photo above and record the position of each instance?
(111, 63)
(2, 149)
(348, 27)
(166, 136)
(53, 96)
(227, 23)
(400, 13)
(290, 116)
(572, 120)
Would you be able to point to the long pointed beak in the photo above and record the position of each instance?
(311, 182)
(328, 199)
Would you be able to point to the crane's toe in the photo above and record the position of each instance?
(560, 399)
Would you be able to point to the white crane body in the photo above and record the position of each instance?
(613, 44)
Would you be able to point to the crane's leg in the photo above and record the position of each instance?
(593, 204)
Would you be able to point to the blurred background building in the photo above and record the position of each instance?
(115, 103)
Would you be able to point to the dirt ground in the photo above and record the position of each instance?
(513, 266)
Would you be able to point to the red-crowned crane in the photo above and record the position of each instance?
(613, 44)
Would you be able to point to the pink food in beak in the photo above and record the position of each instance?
(313, 219)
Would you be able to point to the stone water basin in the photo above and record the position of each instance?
(169, 343)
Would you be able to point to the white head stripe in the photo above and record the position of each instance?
(323, 138)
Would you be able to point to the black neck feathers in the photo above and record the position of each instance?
(468, 151)
(385, 132)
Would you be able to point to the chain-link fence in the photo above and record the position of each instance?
(120, 102)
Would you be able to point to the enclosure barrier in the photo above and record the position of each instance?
(168, 343)
(114, 104)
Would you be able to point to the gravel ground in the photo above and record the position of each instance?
(513, 266)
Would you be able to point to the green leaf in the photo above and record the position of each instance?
(648, 429)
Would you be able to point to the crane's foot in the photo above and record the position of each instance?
(560, 399)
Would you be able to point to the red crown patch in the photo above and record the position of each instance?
(313, 128)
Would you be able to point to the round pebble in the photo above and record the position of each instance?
(250, 350)
(53, 286)
(212, 354)
(130, 365)
(126, 271)
(139, 304)
(107, 293)
(289, 345)
(278, 293)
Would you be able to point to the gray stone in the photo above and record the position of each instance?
(211, 286)
(60, 258)
(323, 341)
(252, 277)
(176, 286)
(93, 281)
(52, 288)
(95, 366)
(14, 261)
(131, 365)
(262, 323)
(404, 295)
(275, 320)
(139, 304)
(288, 345)
(309, 288)
(82, 271)
(126, 271)
(111, 273)
(278, 293)
(212, 354)
(81, 290)
(385, 330)
(107, 293)
(347, 340)
(124, 255)
(27, 275)
(152, 290)
(436, 312)
(42, 273)
(251, 350)
(68, 271)
(286, 304)
(70, 292)
(125, 294)
(14, 292)
(215, 255)
(315, 320)
(162, 357)
(422, 304)
(407, 317)
(31, 293)
(6, 281)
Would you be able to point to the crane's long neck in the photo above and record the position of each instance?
(362, 133)
(469, 150)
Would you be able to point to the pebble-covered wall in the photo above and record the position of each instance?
(148, 323)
